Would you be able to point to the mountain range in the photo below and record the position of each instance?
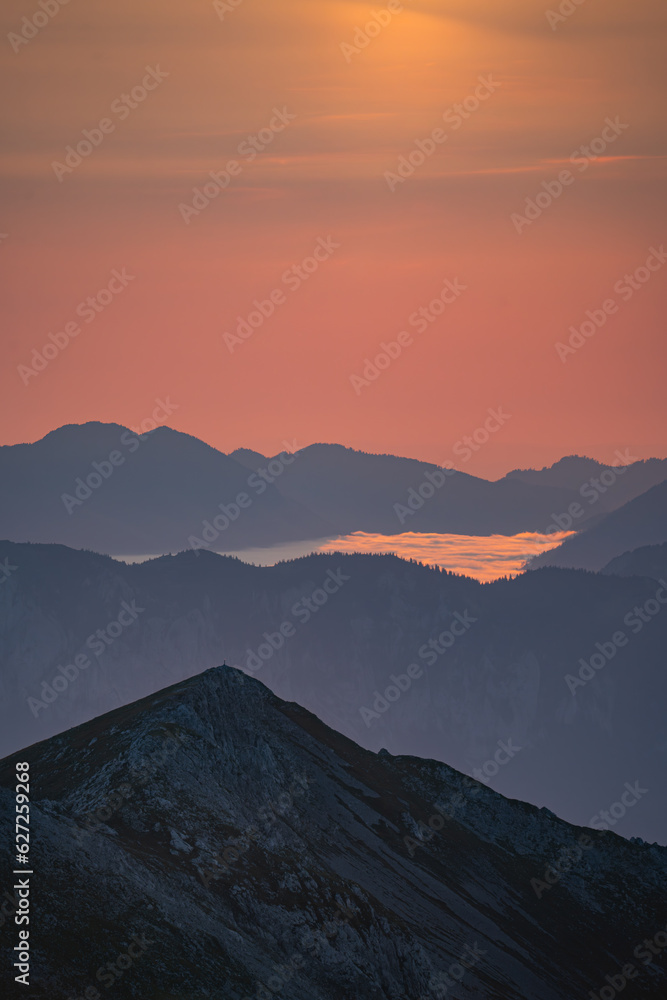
(402, 784)
(640, 522)
(106, 488)
(390, 653)
(241, 850)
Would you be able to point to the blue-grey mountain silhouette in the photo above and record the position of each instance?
(392, 654)
(649, 560)
(103, 487)
(640, 522)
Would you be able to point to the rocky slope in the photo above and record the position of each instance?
(214, 842)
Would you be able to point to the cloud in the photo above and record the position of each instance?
(485, 558)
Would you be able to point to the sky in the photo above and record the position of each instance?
(253, 311)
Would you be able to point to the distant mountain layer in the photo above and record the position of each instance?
(382, 493)
(102, 487)
(213, 841)
(521, 680)
(640, 522)
(573, 471)
(649, 560)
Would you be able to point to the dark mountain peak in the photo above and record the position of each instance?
(94, 436)
(568, 472)
(567, 461)
(246, 843)
(91, 434)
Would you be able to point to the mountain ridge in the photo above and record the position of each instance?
(638, 523)
(166, 489)
(265, 851)
(504, 677)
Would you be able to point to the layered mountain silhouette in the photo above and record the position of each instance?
(633, 476)
(103, 487)
(359, 492)
(640, 522)
(529, 662)
(167, 486)
(241, 849)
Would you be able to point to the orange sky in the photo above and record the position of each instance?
(323, 176)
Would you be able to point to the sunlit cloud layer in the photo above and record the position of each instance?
(485, 558)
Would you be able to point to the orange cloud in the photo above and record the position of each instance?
(484, 558)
